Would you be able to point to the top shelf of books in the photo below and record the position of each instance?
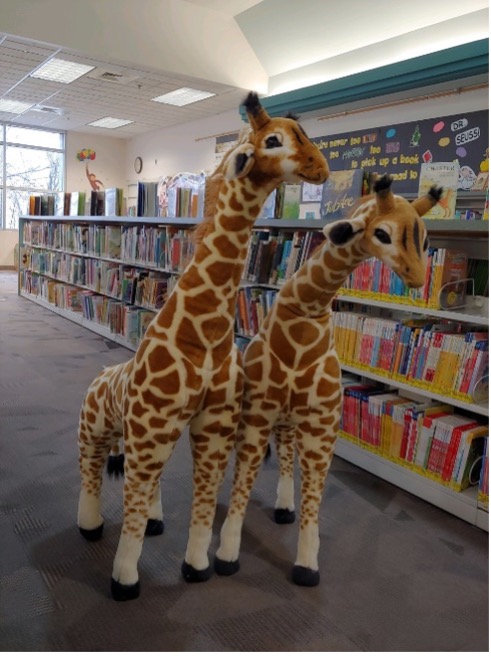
(434, 226)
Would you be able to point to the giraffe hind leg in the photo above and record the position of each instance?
(115, 468)
(92, 458)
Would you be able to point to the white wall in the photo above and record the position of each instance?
(8, 240)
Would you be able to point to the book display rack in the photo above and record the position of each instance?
(410, 361)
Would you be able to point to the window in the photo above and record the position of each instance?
(32, 162)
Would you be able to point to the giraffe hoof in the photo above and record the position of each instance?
(92, 535)
(192, 575)
(115, 465)
(305, 576)
(154, 527)
(284, 516)
(121, 592)
(226, 568)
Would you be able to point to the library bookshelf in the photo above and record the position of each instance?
(111, 274)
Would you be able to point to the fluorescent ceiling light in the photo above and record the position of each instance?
(109, 122)
(14, 106)
(59, 70)
(183, 96)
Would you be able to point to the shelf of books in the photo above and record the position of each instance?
(418, 359)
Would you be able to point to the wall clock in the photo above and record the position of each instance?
(138, 164)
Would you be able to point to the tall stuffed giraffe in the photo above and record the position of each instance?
(292, 373)
(186, 370)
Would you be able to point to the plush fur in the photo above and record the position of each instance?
(292, 374)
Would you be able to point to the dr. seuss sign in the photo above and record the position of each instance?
(401, 148)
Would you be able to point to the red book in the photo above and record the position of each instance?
(453, 447)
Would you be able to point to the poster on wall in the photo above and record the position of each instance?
(224, 143)
(401, 148)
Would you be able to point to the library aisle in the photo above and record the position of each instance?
(397, 574)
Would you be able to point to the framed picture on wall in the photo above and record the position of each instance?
(311, 193)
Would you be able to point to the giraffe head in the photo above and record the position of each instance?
(389, 228)
(281, 150)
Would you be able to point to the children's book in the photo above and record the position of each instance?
(340, 192)
(291, 201)
(445, 175)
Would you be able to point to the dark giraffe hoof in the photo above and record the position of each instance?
(92, 535)
(121, 592)
(115, 465)
(192, 575)
(284, 516)
(226, 568)
(305, 576)
(154, 527)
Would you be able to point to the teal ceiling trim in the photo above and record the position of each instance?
(455, 63)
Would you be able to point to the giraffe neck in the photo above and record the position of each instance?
(310, 292)
(202, 304)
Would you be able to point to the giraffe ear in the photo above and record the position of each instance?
(383, 194)
(240, 162)
(425, 203)
(341, 232)
(257, 115)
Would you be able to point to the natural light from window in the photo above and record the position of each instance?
(34, 165)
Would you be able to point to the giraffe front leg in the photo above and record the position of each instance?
(251, 447)
(212, 437)
(284, 512)
(315, 451)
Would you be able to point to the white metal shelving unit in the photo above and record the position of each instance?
(463, 505)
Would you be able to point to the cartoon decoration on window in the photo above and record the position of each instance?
(83, 156)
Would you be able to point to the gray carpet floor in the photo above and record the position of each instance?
(397, 574)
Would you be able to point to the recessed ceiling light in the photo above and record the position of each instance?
(59, 70)
(109, 122)
(14, 106)
(183, 96)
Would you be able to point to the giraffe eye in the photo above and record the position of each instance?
(273, 142)
(382, 236)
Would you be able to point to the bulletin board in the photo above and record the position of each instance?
(401, 148)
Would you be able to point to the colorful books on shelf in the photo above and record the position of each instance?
(288, 196)
(183, 195)
(447, 274)
(483, 490)
(147, 202)
(428, 438)
(445, 175)
(481, 182)
(443, 356)
(77, 203)
(42, 204)
(268, 209)
(113, 201)
(97, 203)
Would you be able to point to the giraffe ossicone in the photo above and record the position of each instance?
(187, 371)
(292, 382)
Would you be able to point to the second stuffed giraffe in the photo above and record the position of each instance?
(186, 369)
(292, 372)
